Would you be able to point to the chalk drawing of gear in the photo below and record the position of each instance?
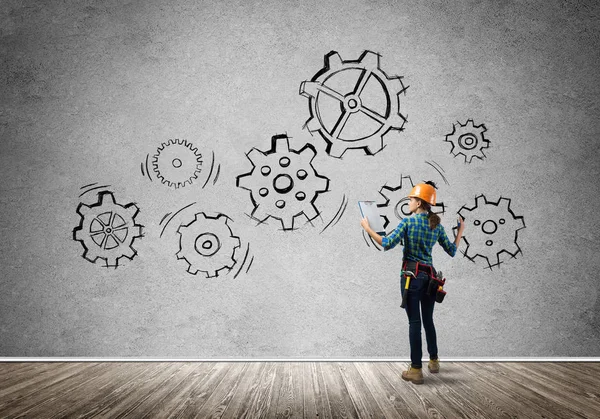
(107, 230)
(177, 163)
(208, 245)
(468, 139)
(283, 183)
(353, 104)
(492, 230)
(395, 207)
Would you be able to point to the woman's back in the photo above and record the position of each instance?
(418, 238)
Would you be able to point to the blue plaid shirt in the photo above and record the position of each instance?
(420, 239)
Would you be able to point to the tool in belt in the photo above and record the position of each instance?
(436, 280)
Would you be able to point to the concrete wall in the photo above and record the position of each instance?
(90, 92)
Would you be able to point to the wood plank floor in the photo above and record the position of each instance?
(297, 389)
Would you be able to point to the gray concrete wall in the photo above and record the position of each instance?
(90, 90)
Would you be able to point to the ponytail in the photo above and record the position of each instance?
(434, 219)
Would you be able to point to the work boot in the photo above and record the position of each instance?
(413, 374)
(434, 365)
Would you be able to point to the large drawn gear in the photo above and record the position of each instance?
(177, 163)
(492, 230)
(107, 230)
(395, 207)
(283, 184)
(468, 139)
(353, 103)
(208, 245)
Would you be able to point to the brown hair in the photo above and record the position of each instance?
(434, 219)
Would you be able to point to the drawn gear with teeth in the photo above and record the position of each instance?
(177, 163)
(283, 184)
(395, 207)
(494, 230)
(468, 139)
(107, 230)
(208, 245)
(353, 103)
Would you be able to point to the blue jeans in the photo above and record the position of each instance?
(416, 298)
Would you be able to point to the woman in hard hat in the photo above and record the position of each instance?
(418, 234)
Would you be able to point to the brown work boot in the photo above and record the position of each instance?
(434, 366)
(413, 374)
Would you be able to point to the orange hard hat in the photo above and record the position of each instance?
(425, 192)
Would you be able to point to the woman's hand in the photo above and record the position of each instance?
(365, 224)
(461, 225)
(459, 230)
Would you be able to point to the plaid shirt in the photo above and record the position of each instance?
(420, 239)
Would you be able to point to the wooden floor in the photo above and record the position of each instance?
(298, 389)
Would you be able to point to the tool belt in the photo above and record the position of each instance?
(436, 279)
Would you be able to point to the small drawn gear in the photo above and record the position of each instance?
(395, 207)
(468, 139)
(283, 183)
(177, 163)
(353, 103)
(493, 229)
(207, 244)
(107, 230)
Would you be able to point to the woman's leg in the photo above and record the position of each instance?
(415, 290)
(427, 305)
